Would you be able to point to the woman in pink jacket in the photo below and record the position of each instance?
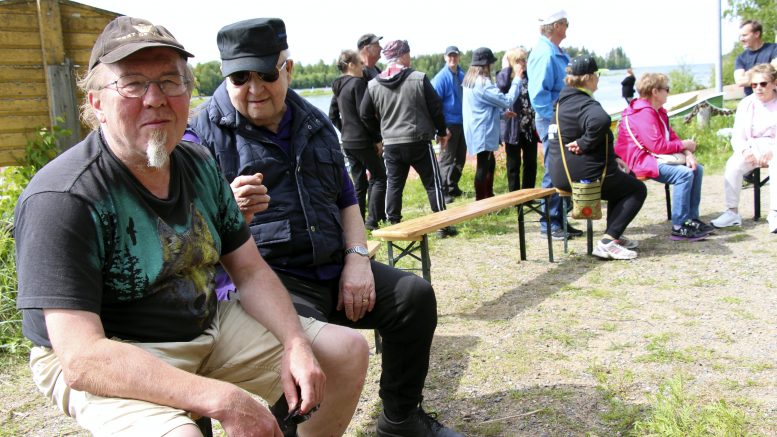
(644, 134)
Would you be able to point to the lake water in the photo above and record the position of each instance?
(608, 94)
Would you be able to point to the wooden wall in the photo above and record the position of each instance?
(44, 48)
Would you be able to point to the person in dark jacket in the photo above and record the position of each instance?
(402, 107)
(627, 86)
(310, 232)
(518, 133)
(362, 150)
(582, 131)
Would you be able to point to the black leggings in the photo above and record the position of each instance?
(485, 166)
(624, 195)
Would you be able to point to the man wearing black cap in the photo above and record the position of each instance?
(447, 83)
(311, 231)
(117, 241)
(369, 50)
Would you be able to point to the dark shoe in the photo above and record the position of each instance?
(686, 233)
(558, 234)
(448, 231)
(573, 231)
(419, 424)
(448, 198)
(700, 226)
(455, 192)
(371, 226)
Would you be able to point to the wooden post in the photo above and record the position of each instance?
(60, 83)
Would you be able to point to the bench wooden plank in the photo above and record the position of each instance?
(372, 247)
(415, 229)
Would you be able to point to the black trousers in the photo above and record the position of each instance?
(361, 161)
(624, 195)
(452, 159)
(513, 151)
(399, 158)
(405, 315)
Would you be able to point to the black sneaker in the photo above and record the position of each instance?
(686, 233)
(558, 234)
(371, 226)
(455, 192)
(448, 198)
(448, 231)
(573, 231)
(419, 424)
(700, 226)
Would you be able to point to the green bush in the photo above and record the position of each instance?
(39, 151)
(712, 149)
(682, 80)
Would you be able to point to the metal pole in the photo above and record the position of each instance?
(719, 58)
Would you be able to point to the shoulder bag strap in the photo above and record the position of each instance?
(564, 159)
(631, 134)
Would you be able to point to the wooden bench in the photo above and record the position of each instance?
(415, 230)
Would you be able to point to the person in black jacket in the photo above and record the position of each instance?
(362, 150)
(582, 131)
(627, 86)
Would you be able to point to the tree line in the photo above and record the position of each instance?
(321, 75)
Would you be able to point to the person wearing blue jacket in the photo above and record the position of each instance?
(483, 106)
(447, 83)
(546, 70)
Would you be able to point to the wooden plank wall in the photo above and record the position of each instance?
(23, 101)
(24, 105)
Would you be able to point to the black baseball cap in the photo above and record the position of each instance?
(124, 36)
(582, 65)
(251, 45)
(367, 39)
(451, 49)
(483, 56)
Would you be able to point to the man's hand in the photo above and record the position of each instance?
(509, 114)
(244, 416)
(689, 145)
(379, 148)
(574, 148)
(299, 368)
(443, 141)
(357, 287)
(250, 194)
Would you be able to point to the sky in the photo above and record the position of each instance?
(652, 33)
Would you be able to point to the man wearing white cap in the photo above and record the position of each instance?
(546, 69)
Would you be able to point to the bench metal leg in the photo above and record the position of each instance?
(668, 202)
(410, 250)
(564, 221)
(549, 228)
(757, 194)
(426, 262)
(590, 236)
(521, 233)
(378, 343)
(205, 426)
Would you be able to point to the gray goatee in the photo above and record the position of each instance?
(157, 151)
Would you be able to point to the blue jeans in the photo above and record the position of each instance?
(555, 201)
(686, 194)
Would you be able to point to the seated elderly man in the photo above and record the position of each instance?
(117, 242)
(266, 138)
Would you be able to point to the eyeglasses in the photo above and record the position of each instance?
(755, 85)
(665, 88)
(135, 86)
(240, 78)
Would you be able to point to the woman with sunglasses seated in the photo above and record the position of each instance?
(754, 142)
(644, 133)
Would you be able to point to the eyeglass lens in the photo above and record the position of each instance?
(136, 85)
(239, 78)
(755, 85)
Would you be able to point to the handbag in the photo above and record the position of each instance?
(586, 196)
(668, 159)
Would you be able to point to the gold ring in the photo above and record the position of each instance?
(365, 300)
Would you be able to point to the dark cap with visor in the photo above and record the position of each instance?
(251, 45)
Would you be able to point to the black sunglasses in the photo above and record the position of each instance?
(755, 85)
(240, 78)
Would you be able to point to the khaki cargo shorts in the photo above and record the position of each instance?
(236, 349)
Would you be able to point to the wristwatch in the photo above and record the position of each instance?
(361, 250)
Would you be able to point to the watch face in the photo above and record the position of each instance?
(361, 250)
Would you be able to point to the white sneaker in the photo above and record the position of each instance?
(613, 250)
(728, 218)
(772, 219)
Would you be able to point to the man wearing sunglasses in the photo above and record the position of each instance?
(270, 141)
(117, 245)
